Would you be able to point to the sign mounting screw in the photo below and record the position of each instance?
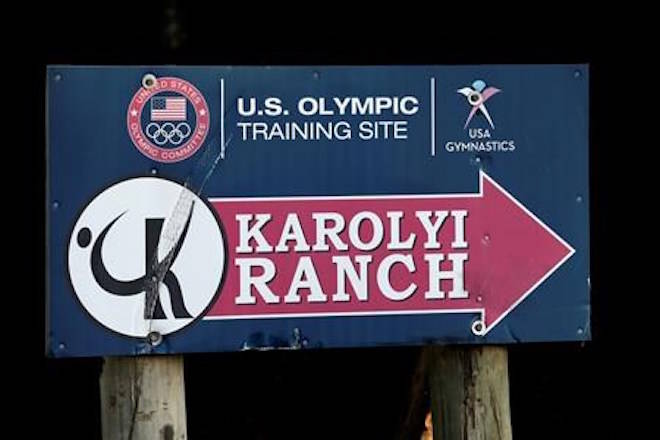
(148, 81)
(154, 338)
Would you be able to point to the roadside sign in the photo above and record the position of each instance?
(200, 209)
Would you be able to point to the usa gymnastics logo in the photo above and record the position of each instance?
(168, 119)
(479, 138)
(477, 95)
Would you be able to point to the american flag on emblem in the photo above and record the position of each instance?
(168, 109)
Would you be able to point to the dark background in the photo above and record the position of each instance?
(563, 390)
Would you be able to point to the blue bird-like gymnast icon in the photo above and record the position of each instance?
(477, 95)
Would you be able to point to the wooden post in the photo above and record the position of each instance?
(143, 398)
(469, 392)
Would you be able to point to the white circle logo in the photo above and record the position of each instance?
(138, 232)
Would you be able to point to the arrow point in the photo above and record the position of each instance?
(520, 254)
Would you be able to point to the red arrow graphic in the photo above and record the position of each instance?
(487, 254)
(517, 253)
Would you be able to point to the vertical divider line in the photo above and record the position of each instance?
(222, 116)
(432, 116)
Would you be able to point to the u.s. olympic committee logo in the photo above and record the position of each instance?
(168, 119)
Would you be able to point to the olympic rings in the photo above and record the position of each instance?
(168, 132)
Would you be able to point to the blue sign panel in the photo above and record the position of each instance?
(200, 209)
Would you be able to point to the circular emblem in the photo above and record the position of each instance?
(133, 231)
(168, 119)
